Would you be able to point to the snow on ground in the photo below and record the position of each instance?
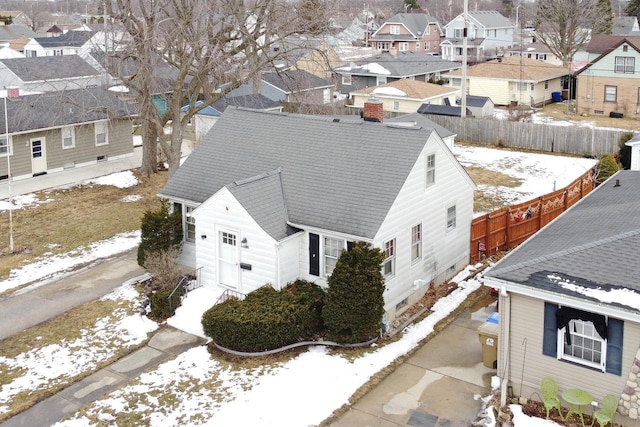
(540, 173)
(201, 390)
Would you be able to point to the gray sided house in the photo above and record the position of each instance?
(291, 86)
(59, 130)
(283, 203)
(569, 301)
(47, 74)
(388, 67)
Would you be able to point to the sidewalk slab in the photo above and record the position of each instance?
(174, 341)
(44, 414)
(92, 387)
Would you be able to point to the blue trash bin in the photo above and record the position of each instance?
(556, 96)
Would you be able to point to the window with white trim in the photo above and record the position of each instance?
(396, 105)
(427, 45)
(383, 46)
(584, 345)
(451, 217)
(431, 169)
(346, 79)
(625, 64)
(458, 33)
(380, 80)
(332, 250)
(189, 225)
(416, 242)
(394, 29)
(403, 46)
(4, 147)
(389, 263)
(610, 93)
(68, 137)
(101, 133)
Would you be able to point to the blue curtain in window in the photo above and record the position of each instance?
(613, 333)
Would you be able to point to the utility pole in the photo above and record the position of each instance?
(463, 87)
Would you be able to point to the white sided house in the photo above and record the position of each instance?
(268, 198)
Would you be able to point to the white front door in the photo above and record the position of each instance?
(228, 259)
(38, 156)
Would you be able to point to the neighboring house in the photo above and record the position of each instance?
(480, 106)
(9, 33)
(537, 51)
(8, 52)
(405, 95)
(313, 55)
(387, 67)
(60, 130)
(48, 73)
(569, 300)
(625, 26)
(609, 83)
(69, 43)
(488, 34)
(634, 143)
(513, 80)
(204, 119)
(408, 32)
(356, 33)
(19, 44)
(268, 198)
(296, 86)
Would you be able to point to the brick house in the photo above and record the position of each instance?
(408, 32)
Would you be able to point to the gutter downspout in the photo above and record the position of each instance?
(505, 329)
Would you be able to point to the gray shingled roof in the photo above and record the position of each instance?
(491, 18)
(55, 109)
(264, 200)
(442, 110)
(68, 39)
(294, 80)
(477, 101)
(15, 31)
(43, 68)
(341, 176)
(403, 64)
(415, 22)
(423, 122)
(255, 100)
(595, 244)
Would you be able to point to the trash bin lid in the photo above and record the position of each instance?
(494, 318)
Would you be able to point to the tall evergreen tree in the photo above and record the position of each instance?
(633, 8)
(354, 303)
(603, 20)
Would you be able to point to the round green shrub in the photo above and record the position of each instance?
(266, 319)
(159, 301)
(606, 167)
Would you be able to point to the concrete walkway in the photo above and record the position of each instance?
(164, 345)
(438, 386)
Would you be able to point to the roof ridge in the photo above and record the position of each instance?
(571, 250)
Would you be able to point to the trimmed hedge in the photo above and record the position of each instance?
(267, 319)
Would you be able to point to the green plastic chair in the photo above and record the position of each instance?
(604, 415)
(549, 389)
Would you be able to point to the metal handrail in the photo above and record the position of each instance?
(184, 289)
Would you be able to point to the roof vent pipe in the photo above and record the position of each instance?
(617, 183)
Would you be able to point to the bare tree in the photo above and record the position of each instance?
(563, 25)
(211, 48)
(35, 16)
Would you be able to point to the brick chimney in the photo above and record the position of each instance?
(373, 110)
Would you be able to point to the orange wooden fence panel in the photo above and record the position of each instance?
(508, 227)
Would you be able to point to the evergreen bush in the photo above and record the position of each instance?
(159, 301)
(160, 230)
(354, 304)
(606, 167)
(624, 154)
(266, 319)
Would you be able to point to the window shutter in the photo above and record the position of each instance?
(350, 246)
(314, 254)
(615, 330)
(550, 338)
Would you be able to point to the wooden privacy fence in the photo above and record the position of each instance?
(506, 228)
(579, 140)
